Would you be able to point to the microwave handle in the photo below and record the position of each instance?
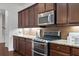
(49, 17)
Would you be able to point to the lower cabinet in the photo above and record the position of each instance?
(28, 47)
(22, 45)
(75, 51)
(59, 50)
(58, 53)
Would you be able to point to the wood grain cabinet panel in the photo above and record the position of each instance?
(36, 15)
(19, 20)
(26, 18)
(23, 19)
(28, 47)
(62, 13)
(75, 51)
(73, 13)
(59, 50)
(31, 17)
(50, 6)
(15, 43)
(41, 8)
(22, 45)
(58, 53)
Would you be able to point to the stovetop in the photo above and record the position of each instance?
(44, 40)
(49, 36)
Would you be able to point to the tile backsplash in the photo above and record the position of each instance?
(31, 31)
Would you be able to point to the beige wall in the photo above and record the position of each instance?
(64, 30)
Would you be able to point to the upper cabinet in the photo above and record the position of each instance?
(61, 13)
(36, 15)
(41, 7)
(31, 16)
(50, 6)
(68, 13)
(44, 7)
(23, 19)
(26, 19)
(73, 13)
(19, 20)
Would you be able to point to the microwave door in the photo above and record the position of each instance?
(43, 20)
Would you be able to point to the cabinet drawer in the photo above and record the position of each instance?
(61, 48)
(75, 51)
(58, 53)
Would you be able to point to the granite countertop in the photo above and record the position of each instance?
(64, 42)
(61, 41)
(26, 36)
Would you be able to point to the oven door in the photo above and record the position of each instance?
(40, 47)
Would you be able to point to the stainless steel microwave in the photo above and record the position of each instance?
(46, 18)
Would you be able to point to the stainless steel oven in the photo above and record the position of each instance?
(40, 48)
(41, 45)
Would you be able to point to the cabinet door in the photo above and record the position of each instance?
(28, 47)
(75, 51)
(15, 43)
(58, 53)
(23, 19)
(26, 15)
(19, 20)
(36, 15)
(22, 46)
(61, 13)
(73, 13)
(50, 6)
(41, 7)
(31, 17)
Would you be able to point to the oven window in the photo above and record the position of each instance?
(40, 48)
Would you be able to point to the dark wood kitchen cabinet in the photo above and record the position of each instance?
(26, 18)
(41, 7)
(62, 13)
(15, 43)
(59, 50)
(73, 13)
(22, 45)
(31, 17)
(28, 47)
(75, 51)
(50, 6)
(36, 15)
(45, 7)
(19, 19)
(23, 19)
